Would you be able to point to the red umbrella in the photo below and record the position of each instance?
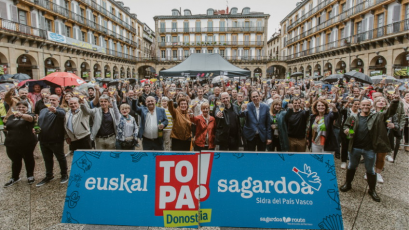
(145, 81)
(64, 79)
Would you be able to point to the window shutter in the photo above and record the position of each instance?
(14, 13)
(396, 13)
(3, 10)
(33, 19)
(75, 32)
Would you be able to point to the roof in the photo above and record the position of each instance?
(299, 5)
(199, 63)
(202, 16)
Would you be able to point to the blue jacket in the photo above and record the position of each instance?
(252, 125)
(142, 111)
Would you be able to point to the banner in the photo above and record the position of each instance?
(401, 72)
(375, 73)
(234, 189)
(71, 41)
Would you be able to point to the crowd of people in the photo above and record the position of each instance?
(349, 119)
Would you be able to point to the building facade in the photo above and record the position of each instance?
(91, 38)
(234, 35)
(322, 37)
(149, 42)
(274, 45)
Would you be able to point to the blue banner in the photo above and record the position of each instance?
(163, 189)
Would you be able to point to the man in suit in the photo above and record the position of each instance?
(153, 120)
(257, 129)
(228, 131)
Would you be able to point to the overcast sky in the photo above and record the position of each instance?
(147, 9)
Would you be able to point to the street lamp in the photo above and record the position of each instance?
(380, 60)
(343, 64)
(48, 62)
(68, 64)
(359, 62)
(24, 59)
(82, 65)
(407, 57)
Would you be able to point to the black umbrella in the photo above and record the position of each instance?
(333, 78)
(106, 80)
(360, 77)
(6, 76)
(296, 74)
(21, 76)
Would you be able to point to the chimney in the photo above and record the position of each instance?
(227, 10)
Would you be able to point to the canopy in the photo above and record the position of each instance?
(205, 65)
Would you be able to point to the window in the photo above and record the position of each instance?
(198, 26)
(82, 12)
(174, 39)
(198, 38)
(234, 11)
(175, 53)
(210, 51)
(210, 12)
(246, 40)
(186, 39)
(222, 39)
(48, 24)
(185, 26)
(222, 53)
(82, 36)
(174, 26)
(163, 53)
(162, 27)
(210, 26)
(222, 25)
(198, 51)
(175, 13)
(342, 33)
(186, 53)
(246, 11)
(259, 40)
(68, 31)
(381, 22)
(234, 39)
(95, 40)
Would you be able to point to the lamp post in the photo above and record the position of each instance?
(24, 59)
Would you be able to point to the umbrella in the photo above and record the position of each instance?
(33, 82)
(296, 74)
(333, 78)
(3, 86)
(144, 81)
(6, 76)
(218, 79)
(21, 76)
(64, 79)
(106, 80)
(360, 77)
(379, 78)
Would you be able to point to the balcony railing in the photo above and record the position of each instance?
(211, 29)
(335, 19)
(80, 19)
(23, 29)
(207, 44)
(309, 13)
(228, 58)
(388, 30)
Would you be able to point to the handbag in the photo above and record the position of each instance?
(128, 144)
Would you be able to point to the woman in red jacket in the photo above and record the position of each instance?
(205, 129)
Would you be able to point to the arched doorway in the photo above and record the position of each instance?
(107, 71)
(25, 64)
(401, 65)
(85, 70)
(340, 67)
(3, 65)
(128, 72)
(357, 65)
(97, 70)
(295, 70)
(146, 72)
(309, 71)
(327, 69)
(133, 73)
(50, 66)
(70, 67)
(258, 73)
(276, 71)
(377, 66)
(115, 72)
(302, 70)
(122, 72)
(317, 70)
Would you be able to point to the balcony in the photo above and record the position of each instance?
(212, 44)
(148, 37)
(233, 59)
(365, 37)
(24, 30)
(338, 18)
(212, 30)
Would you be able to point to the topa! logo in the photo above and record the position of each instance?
(287, 219)
(181, 180)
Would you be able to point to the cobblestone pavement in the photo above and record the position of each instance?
(26, 207)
